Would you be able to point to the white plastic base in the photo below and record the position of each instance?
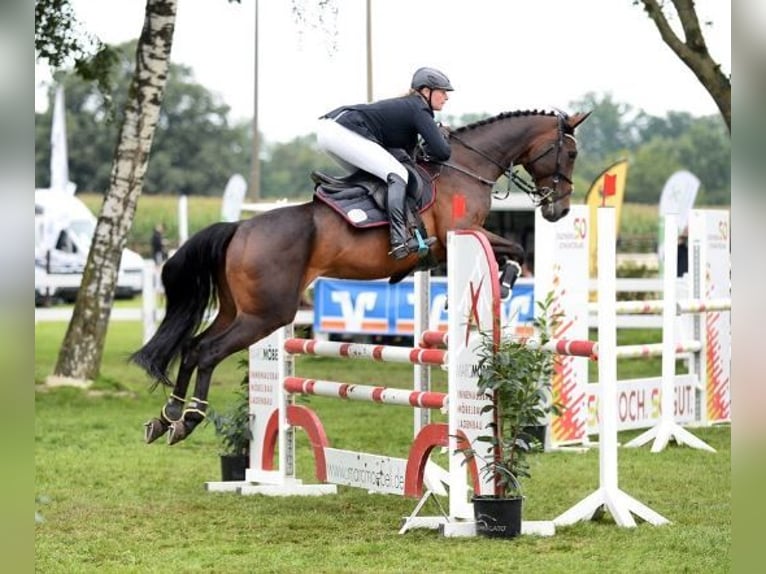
(619, 504)
(468, 528)
(664, 432)
(290, 488)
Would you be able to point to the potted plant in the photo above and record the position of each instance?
(518, 376)
(232, 426)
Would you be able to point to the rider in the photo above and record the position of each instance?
(360, 136)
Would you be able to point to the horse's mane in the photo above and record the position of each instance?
(505, 115)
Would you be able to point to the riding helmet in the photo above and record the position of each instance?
(430, 78)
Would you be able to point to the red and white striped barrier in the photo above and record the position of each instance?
(367, 393)
(473, 292)
(273, 384)
(434, 339)
(657, 306)
(383, 353)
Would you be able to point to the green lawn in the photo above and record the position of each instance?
(110, 503)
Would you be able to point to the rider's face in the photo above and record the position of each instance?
(438, 99)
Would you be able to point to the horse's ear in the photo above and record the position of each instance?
(577, 119)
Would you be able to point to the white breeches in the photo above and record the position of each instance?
(353, 151)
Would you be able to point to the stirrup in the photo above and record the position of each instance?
(399, 251)
(417, 243)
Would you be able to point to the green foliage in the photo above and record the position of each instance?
(232, 426)
(639, 219)
(153, 209)
(60, 41)
(518, 375)
(286, 169)
(656, 147)
(195, 147)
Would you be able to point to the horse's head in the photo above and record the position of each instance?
(550, 161)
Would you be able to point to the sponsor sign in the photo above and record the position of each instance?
(639, 403)
(710, 257)
(562, 255)
(378, 308)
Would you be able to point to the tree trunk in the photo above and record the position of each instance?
(82, 349)
(693, 52)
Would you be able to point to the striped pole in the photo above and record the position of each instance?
(589, 349)
(656, 306)
(655, 349)
(434, 339)
(366, 393)
(385, 353)
(704, 305)
(568, 347)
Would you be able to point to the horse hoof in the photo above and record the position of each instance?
(177, 432)
(154, 429)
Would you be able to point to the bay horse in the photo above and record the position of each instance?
(259, 268)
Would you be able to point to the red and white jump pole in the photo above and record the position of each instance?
(382, 353)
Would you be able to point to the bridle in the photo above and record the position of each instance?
(539, 195)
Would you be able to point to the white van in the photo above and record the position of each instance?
(64, 228)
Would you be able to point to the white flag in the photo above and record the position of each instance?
(233, 196)
(678, 196)
(59, 153)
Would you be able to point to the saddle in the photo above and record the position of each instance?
(360, 198)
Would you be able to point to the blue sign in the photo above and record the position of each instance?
(343, 306)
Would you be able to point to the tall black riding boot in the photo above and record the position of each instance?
(397, 189)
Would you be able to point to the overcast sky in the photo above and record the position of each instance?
(500, 55)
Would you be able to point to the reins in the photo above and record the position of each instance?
(537, 194)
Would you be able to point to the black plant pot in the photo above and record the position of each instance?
(497, 517)
(233, 466)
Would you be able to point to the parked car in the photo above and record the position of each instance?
(64, 228)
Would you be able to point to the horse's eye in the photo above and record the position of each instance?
(572, 154)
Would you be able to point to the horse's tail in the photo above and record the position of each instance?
(189, 280)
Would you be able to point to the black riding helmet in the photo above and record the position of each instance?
(430, 78)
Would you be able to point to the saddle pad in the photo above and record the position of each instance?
(357, 206)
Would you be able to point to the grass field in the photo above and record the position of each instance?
(110, 503)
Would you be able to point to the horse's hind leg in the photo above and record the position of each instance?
(173, 410)
(243, 331)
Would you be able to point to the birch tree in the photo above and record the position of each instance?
(80, 353)
(56, 40)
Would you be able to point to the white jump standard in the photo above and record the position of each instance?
(608, 495)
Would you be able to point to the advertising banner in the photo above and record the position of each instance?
(710, 258)
(561, 258)
(378, 308)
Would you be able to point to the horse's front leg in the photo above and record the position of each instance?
(509, 256)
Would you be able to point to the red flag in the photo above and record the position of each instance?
(458, 207)
(610, 187)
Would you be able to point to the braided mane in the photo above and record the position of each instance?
(504, 115)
